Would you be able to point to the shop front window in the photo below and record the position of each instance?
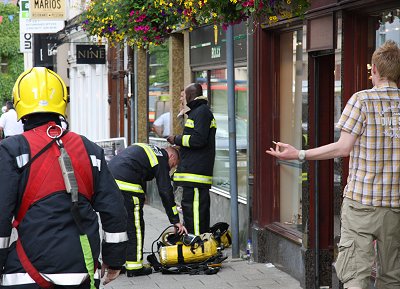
(293, 124)
(214, 84)
(159, 98)
(389, 27)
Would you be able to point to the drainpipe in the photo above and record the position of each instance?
(131, 92)
(232, 141)
(135, 95)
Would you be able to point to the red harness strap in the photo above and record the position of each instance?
(35, 275)
(45, 178)
(42, 169)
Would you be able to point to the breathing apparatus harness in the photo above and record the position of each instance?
(71, 187)
(208, 266)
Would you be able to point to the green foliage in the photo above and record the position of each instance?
(161, 70)
(11, 59)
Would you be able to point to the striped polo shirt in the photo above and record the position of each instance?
(373, 115)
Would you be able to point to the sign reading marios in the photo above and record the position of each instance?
(47, 9)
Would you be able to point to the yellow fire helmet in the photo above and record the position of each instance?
(39, 90)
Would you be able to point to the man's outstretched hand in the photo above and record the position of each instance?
(283, 151)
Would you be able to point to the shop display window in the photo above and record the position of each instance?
(215, 86)
(159, 97)
(293, 93)
(389, 27)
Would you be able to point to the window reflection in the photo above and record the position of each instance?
(293, 124)
(215, 87)
(389, 27)
(159, 98)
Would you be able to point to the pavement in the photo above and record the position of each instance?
(235, 273)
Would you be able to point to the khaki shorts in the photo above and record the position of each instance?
(361, 226)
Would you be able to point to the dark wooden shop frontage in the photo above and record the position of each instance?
(304, 71)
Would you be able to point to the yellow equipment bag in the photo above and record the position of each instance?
(191, 254)
(183, 254)
(197, 248)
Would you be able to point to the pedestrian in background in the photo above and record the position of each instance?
(58, 243)
(9, 124)
(3, 110)
(370, 135)
(194, 173)
(162, 125)
(183, 109)
(132, 168)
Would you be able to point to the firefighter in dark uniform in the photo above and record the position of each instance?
(58, 244)
(132, 168)
(195, 171)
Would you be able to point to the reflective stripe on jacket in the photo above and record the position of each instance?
(68, 279)
(197, 144)
(139, 163)
(48, 231)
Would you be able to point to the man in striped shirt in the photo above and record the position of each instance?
(370, 135)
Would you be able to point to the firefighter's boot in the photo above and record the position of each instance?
(139, 272)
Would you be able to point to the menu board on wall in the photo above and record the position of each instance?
(112, 146)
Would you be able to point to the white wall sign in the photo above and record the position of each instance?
(25, 39)
(47, 9)
(27, 25)
(41, 26)
(25, 44)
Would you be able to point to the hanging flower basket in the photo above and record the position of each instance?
(149, 22)
(139, 22)
(235, 11)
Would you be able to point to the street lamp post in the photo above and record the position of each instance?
(232, 141)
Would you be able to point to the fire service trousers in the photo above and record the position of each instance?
(134, 203)
(196, 209)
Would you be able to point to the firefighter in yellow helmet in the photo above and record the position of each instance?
(53, 182)
(39, 90)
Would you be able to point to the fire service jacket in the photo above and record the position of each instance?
(48, 232)
(197, 144)
(139, 163)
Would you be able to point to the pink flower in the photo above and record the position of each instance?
(248, 3)
(140, 18)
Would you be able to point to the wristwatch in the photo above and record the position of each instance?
(302, 155)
